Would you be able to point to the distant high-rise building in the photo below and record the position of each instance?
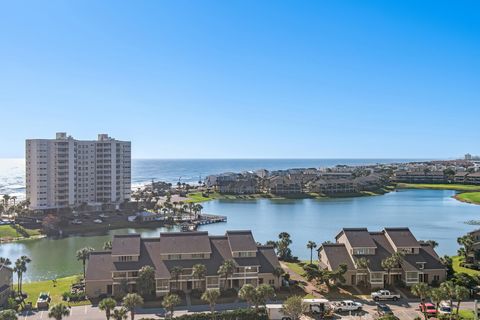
(65, 172)
(468, 156)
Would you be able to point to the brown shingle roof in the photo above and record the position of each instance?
(402, 237)
(241, 241)
(358, 237)
(184, 242)
(337, 254)
(99, 266)
(126, 244)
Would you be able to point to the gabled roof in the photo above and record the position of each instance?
(126, 245)
(357, 237)
(241, 241)
(337, 254)
(402, 237)
(184, 242)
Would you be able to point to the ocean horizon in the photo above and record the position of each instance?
(12, 171)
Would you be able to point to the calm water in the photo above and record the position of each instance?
(431, 214)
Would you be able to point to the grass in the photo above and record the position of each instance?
(62, 285)
(295, 267)
(466, 314)
(469, 197)
(198, 197)
(7, 231)
(456, 260)
(457, 187)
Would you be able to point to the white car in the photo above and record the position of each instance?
(347, 305)
(384, 295)
(444, 308)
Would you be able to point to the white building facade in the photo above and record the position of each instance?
(65, 172)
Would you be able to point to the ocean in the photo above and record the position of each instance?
(12, 171)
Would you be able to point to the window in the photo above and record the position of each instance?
(198, 255)
(125, 258)
(376, 277)
(246, 254)
(411, 276)
(174, 257)
(271, 282)
(436, 278)
(363, 251)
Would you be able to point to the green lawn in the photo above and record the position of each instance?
(297, 268)
(470, 197)
(7, 231)
(457, 187)
(198, 197)
(458, 269)
(33, 289)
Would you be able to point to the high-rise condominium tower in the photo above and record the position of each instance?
(65, 172)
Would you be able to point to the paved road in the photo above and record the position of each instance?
(403, 309)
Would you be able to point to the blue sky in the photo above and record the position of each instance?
(245, 79)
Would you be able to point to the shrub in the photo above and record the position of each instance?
(231, 292)
(239, 314)
(196, 293)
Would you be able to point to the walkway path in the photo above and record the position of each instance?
(309, 287)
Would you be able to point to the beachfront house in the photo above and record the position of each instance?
(419, 262)
(114, 272)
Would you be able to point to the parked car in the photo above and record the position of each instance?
(43, 301)
(384, 310)
(429, 309)
(445, 308)
(274, 312)
(97, 221)
(384, 295)
(347, 305)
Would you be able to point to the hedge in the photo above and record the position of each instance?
(239, 314)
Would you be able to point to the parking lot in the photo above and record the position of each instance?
(402, 309)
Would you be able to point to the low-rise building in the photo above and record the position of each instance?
(111, 272)
(421, 177)
(6, 280)
(419, 262)
(285, 185)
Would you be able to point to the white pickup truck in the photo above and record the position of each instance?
(347, 305)
(384, 295)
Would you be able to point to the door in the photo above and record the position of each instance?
(189, 285)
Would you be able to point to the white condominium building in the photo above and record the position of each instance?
(65, 172)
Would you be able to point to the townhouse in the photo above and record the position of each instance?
(111, 272)
(419, 263)
(6, 281)
(421, 177)
(285, 185)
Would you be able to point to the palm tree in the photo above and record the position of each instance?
(131, 301)
(58, 311)
(211, 296)
(278, 272)
(448, 288)
(170, 301)
(120, 314)
(256, 296)
(461, 294)
(437, 295)
(227, 269)
(82, 255)
(107, 245)
(311, 245)
(146, 281)
(362, 263)
(176, 272)
(432, 243)
(8, 315)
(107, 305)
(5, 261)
(421, 290)
(6, 198)
(21, 268)
(388, 264)
(199, 271)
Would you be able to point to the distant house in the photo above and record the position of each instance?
(423, 176)
(332, 186)
(241, 186)
(420, 262)
(285, 185)
(473, 178)
(460, 177)
(146, 216)
(6, 280)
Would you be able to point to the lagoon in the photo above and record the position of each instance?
(431, 214)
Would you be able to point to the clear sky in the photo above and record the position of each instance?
(246, 78)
